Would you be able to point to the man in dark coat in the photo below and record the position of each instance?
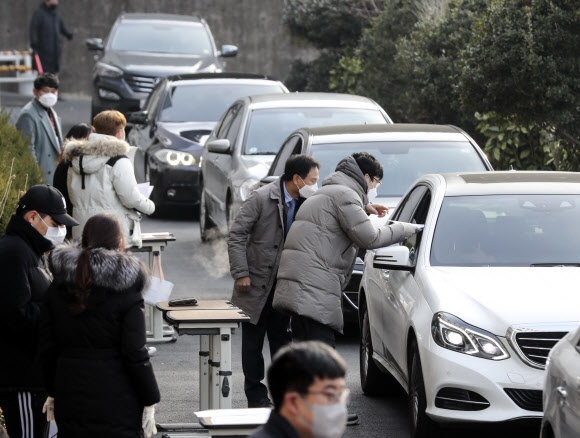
(254, 246)
(46, 26)
(38, 224)
(307, 383)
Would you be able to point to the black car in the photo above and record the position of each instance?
(177, 119)
(141, 48)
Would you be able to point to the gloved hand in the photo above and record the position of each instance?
(48, 409)
(410, 229)
(149, 421)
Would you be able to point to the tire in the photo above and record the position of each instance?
(205, 223)
(373, 381)
(420, 424)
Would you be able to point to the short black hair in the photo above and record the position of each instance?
(46, 80)
(296, 365)
(80, 131)
(299, 164)
(368, 164)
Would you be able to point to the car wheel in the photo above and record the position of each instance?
(205, 223)
(230, 215)
(421, 425)
(372, 380)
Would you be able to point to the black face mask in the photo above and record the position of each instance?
(52, 7)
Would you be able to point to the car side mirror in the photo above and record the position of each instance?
(95, 44)
(139, 118)
(218, 146)
(395, 257)
(228, 51)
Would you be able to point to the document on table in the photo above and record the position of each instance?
(145, 189)
(225, 417)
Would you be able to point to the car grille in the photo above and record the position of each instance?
(535, 346)
(460, 400)
(140, 84)
(528, 399)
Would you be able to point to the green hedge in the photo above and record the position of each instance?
(18, 169)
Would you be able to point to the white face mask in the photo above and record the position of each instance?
(307, 191)
(329, 421)
(48, 99)
(372, 194)
(55, 234)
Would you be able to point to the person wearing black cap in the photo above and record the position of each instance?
(36, 227)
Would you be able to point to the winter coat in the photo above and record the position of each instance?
(33, 121)
(97, 185)
(25, 280)
(46, 26)
(255, 243)
(276, 427)
(322, 245)
(95, 363)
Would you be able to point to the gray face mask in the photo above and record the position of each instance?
(329, 421)
(372, 194)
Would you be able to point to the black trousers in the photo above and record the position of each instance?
(276, 326)
(306, 329)
(23, 414)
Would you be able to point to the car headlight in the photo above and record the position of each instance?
(175, 158)
(108, 70)
(247, 187)
(454, 334)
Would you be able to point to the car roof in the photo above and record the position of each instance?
(310, 99)
(514, 182)
(218, 76)
(383, 132)
(143, 16)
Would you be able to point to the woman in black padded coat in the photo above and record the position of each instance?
(95, 363)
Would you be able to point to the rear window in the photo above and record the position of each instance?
(403, 162)
(172, 38)
(268, 128)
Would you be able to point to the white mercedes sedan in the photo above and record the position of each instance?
(463, 314)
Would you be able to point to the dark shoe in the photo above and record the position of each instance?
(352, 419)
(264, 403)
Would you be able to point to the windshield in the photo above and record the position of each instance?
(207, 102)
(175, 38)
(268, 128)
(508, 230)
(403, 161)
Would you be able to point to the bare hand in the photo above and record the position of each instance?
(377, 209)
(242, 284)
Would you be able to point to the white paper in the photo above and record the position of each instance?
(220, 417)
(152, 235)
(158, 290)
(145, 189)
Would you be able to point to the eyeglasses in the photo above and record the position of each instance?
(333, 397)
(378, 181)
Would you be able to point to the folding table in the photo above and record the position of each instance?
(214, 321)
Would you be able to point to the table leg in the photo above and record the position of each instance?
(225, 370)
(204, 380)
(214, 367)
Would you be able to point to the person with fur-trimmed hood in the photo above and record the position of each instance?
(101, 177)
(95, 363)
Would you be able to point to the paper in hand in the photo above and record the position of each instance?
(145, 189)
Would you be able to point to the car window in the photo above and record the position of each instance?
(152, 105)
(403, 162)
(292, 146)
(234, 129)
(408, 206)
(222, 129)
(158, 37)
(508, 230)
(261, 139)
(207, 102)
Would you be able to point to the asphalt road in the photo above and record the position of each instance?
(201, 270)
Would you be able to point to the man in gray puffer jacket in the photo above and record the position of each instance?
(321, 248)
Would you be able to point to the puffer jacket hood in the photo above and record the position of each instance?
(349, 167)
(95, 152)
(113, 270)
